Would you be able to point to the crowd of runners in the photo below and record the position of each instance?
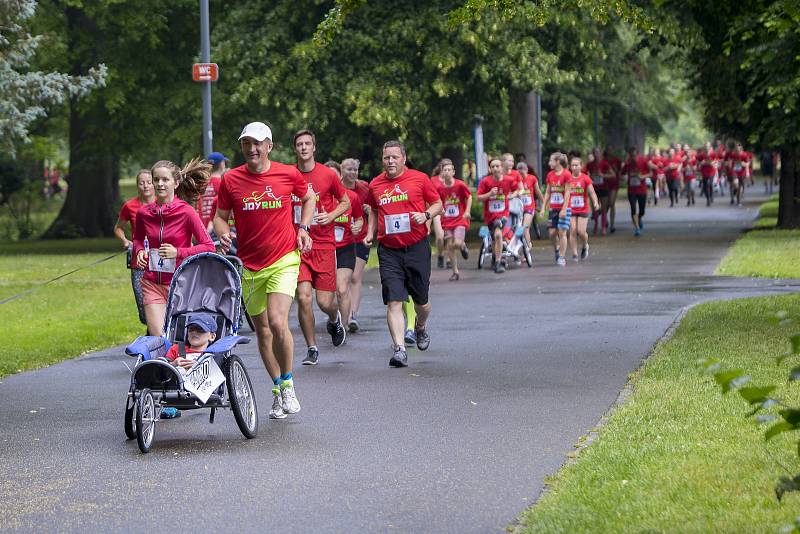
(306, 231)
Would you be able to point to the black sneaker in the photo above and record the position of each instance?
(585, 252)
(499, 268)
(337, 331)
(399, 358)
(423, 339)
(465, 253)
(440, 262)
(311, 357)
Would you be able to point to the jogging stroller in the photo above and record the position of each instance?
(207, 283)
(515, 248)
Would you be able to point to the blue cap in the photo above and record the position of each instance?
(216, 158)
(203, 320)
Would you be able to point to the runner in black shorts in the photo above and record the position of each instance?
(403, 201)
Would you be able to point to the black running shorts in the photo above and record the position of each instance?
(346, 257)
(405, 271)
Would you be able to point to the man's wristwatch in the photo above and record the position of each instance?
(427, 215)
(304, 227)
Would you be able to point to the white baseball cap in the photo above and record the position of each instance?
(257, 130)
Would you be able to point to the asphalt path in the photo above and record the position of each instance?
(521, 365)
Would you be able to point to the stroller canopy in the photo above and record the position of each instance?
(206, 282)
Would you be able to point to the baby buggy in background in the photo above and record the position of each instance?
(515, 248)
(206, 283)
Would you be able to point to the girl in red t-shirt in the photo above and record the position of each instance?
(689, 172)
(580, 189)
(457, 202)
(127, 216)
(529, 192)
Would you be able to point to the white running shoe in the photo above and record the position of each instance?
(289, 399)
(276, 412)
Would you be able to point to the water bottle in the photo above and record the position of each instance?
(146, 246)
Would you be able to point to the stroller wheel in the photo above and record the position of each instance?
(482, 254)
(130, 418)
(145, 420)
(242, 397)
(526, 251)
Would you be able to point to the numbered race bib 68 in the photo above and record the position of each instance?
(556, 197)
(451, 210)
(338, 233)
(397, 224)
(577, 202)
(161, 265)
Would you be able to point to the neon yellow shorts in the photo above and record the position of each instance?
(280, 277)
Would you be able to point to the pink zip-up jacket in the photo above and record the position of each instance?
(175, 223)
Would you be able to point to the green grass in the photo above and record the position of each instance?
(679, 456)
(88, 310)
(765, 251)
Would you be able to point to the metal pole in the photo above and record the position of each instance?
(538, 162)
(205, 57)
(481, 169)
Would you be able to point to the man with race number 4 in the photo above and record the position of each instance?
(403, 201)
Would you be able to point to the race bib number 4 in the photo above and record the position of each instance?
(203, 379)
(577, 202)
(451, 210)
(497, 206)
(556, 198)
(397, 224)
(161, 265)
(338, 233)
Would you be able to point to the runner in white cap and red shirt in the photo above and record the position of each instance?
(403, 201)
(318, 266)
(259, 193)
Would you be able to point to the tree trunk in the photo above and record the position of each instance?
(524, 127)
(789, 198)
(94, 164)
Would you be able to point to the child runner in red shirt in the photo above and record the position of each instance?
(494, 191)
(457, 201)
(557, 201)
(580, 189)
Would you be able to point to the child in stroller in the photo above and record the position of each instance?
(203, 306)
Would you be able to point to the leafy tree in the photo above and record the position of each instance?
(25, 94)
(745, 71)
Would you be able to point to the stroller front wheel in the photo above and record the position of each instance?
(130, 418)
(242, 397)
(145, 420)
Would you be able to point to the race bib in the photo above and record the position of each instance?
(737, 167)
(338, 233)
(634, 182)
(526, 200)
(451, 210)
(556, 198)
(161, 265)
(597, 179)
(577, 202)
(203, 379)
(397, 224)
(689, 172)
(497, 206)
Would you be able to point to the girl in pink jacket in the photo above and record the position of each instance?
(164, 232)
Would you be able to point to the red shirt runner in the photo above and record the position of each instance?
(394, 200)
(454, 201)
(325, 183)
(128, 212)
(342, 233)
(556, 183)
(579, 193)
(528, 196)
(262, 207)
(496, 206)
(207, 203)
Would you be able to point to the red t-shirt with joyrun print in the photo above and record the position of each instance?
(556, 183)
(325, 183)
(454, 203)
(496, 206)
(392, 202)
(262, 208)
(579, 193)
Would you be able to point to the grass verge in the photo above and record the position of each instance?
(678, 456)
(85, 311)
(765, 251)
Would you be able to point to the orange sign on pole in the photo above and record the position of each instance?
(205, 72)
